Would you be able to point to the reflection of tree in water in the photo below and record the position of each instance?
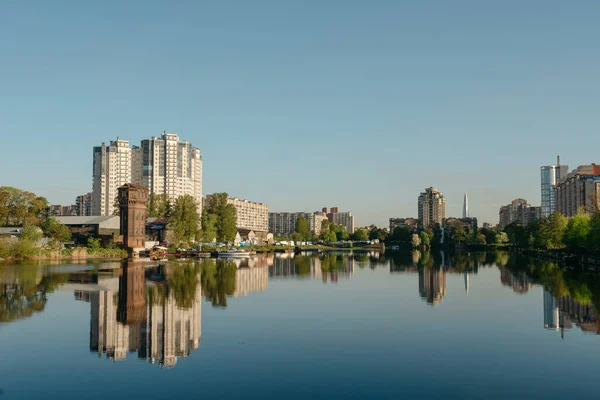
(218, 281)
(183, 284)
(26, 296)
(581, 285)
(302, 265)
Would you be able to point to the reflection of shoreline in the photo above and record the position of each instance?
(143, 319)
(328, 268)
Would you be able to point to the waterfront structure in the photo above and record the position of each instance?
(344, 218)
(82, 228)
(580, 189)
(465, 213)
(550, 177)
(169, 166)
(164, 165)
(83, 205)
(518, 211)
(250, 215)
(111, 170)
(284, 223)
(432, 207)
(410, 223)
(132, 201)
(60, 210)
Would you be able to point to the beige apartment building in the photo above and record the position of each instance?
(518, 211)
(580, 189)
(250, 215)
(284, 223)
(432, 207)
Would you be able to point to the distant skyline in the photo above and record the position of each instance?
(359, 105)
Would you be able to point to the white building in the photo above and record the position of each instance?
(284, 223)
(171, 166)
(112, 169)
(165, 165)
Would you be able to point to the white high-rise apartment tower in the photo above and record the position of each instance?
(171, 166)
(165, 165)
(111, 169)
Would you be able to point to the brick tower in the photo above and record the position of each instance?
(132, 202)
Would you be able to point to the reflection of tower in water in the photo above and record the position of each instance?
(151, 324)
(432, 284)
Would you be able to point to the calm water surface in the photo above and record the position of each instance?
(431, 325)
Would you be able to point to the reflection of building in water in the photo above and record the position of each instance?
(286, 265)
(519, 283)
(562, 313)
(249, 280)
(467, 280)
(133, 320)
(432, 284)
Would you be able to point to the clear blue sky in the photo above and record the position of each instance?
(355, 104)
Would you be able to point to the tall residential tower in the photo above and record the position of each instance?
(165, 165)
(550, 177)
(432, 207)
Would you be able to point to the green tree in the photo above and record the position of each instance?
(227, 228)
(501, 238)
(551, 231)
(302, 228)
(377, 234)
(93, 243)
(340, 231)
(209, 226)
(594, 234)
(360, 234)
(479, 239)
(19, 207)
(185, 219)
(577, 232)
(55, 230)
(401, 234)
(296, 237)
(425, 239)
(116, 206)
(457, 232)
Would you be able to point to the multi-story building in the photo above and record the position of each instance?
(250, 215)
(170, 166)
(344, 218)
(410, 223)
(58, 210)
(518, 211)
(165, 165)
(580, 189)
(432, 207)
(550, 176)
(83, 204)
(112, 169)
(284, 223)
(432, 284)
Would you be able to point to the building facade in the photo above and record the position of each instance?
(344, 218)
(432, 207)
(60, 210)
(550, 177)
(111, 170)
(410, 223)
(249, 215)
(518, 211)
(171, 166)
(284, 223)
(580, 189)
(84, 205)
(164, 165)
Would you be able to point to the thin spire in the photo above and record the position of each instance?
(466, 207)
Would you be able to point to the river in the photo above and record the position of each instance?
(341, 325)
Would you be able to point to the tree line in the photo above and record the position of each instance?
(578, 234)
